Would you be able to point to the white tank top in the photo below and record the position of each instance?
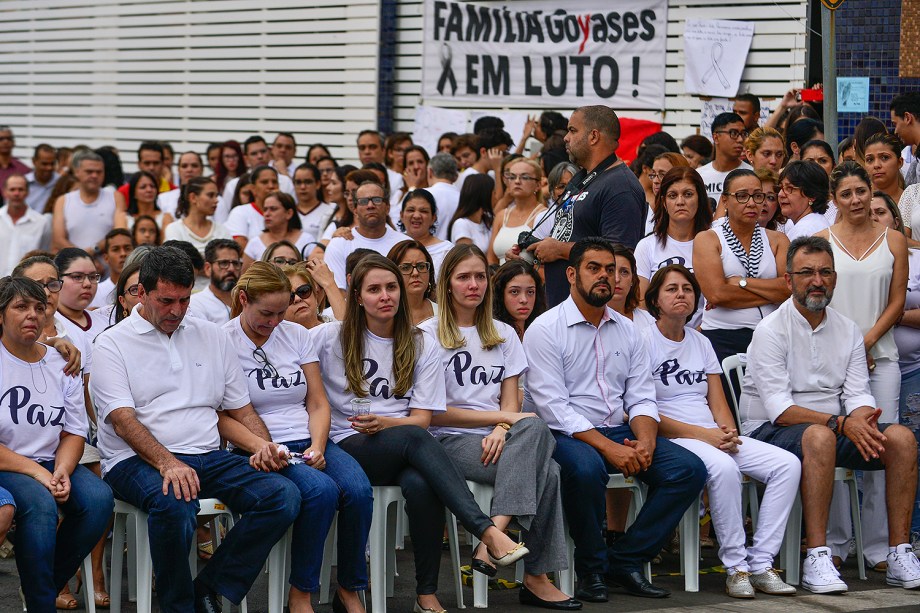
(722, 318)
(862, 290)
(507, 237)
(87, 224)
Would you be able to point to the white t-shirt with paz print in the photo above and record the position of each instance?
(278, 395)
(427, 391)
(473, 375)
(37, 403)
(679, 371)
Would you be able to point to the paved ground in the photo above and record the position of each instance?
(870, 595)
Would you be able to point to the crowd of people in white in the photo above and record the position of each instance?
(284, 336)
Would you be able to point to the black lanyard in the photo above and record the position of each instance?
(589, 177)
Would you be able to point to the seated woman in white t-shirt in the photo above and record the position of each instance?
(286, 390)
(281, 223)
(472, 222)
(484, 431)
(803, 193)
(197, 203)
(417, 268)
(42, 443)
(681, 212)
(376, 354)
(417, 221)
(695, 415)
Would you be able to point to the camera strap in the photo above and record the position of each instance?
(607, 162)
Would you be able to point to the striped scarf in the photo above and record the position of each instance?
(751, 262)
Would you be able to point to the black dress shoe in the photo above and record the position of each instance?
(636, 584)
(209, 603)
(591, 588)
(481, 567)
(529, 598)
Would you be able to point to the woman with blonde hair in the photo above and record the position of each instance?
(306, 306)
(765, 148)
(484, 431)
(376, 356)
(286, 390)
(523, 178)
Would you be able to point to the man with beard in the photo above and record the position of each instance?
(223, 264)
(604, 199)
(590, 380)
(806, 390)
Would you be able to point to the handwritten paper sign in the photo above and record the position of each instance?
(431, 122)
(852, 94)
(715, 53)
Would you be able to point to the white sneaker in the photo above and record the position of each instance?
(903, 568)
(819, 575)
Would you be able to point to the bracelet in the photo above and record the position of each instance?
(843, 423)
(504, 426)
(898, 323)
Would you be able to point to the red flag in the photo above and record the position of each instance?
(632, 133)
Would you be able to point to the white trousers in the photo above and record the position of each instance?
(776, 468)
(885, 383)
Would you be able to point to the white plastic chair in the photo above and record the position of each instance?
(140, 564)
(790, 551)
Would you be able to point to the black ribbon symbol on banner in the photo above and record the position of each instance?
(447, 72)
(716, 56)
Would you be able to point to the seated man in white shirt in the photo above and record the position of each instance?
(223, 264)
(372, 209)
(162, 383)
(21, 229)
(806, 390)
(590, 380)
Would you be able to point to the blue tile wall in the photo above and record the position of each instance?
(868, 45)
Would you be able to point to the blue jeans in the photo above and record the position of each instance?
(343, 485)
(47, 556)
(675, 478)
(909, 411)
(268, 502)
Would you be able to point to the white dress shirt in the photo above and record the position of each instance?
(582, 377)
(789, 364)
(29, 232)
(175, 384)
(208, 306)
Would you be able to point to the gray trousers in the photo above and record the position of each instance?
(526, 481)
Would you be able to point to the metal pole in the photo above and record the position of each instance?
(829, 76)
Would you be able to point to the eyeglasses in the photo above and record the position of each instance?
(304, 182)
(376, 200)
(303, 292)
(53, 286)
(734, 134)
(326, 171)
(132, 291)
(511, 178)
(789, 188)
(743, 197)
(80, 277)
(228, 264)
(280, 261)
(656, 176)
(825, 273)
(267, 369)
(421, 267)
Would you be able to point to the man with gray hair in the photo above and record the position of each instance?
(806, 390)
(83, 217)
(442, 173)
(605, 199)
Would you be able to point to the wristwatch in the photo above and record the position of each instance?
(743, 282)
(832, 423)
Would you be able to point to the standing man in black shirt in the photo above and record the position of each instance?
(604, 199)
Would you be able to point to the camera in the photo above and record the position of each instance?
(526, 239)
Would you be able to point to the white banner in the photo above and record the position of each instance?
(597, 52)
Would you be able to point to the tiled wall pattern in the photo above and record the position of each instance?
(868, 45)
